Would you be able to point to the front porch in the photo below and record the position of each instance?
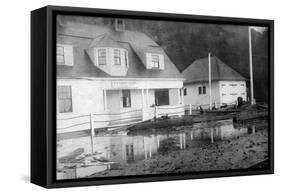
(125, 106)
(124, 109)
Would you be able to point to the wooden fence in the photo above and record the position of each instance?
(112, 121)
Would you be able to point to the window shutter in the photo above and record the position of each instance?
(161, 62)
(126, 58)
(148, 61)
(122, 56)
(109, 56)
(96, 56)
(68, 55)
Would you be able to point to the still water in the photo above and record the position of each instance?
(80, 155)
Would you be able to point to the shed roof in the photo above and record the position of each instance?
(198, 71)
(83, 36)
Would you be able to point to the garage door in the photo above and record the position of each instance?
(231, 91)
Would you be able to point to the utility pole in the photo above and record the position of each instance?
(251, 67)
(210, 80)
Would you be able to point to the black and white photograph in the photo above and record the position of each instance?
(149, 97)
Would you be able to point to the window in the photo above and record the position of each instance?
(130, 153)
(202, 90)
(102, 56)
(64, 55)
(155, 61)
(185, 91)
(117, 57)
(126, 98)
(65, 99)
(162, 97)
(233, 85)
(119, 25)
(60, 55)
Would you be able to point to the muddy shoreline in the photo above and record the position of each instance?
(238, 153)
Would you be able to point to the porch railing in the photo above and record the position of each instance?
(191, 109)
(125, 119)
(113, 121)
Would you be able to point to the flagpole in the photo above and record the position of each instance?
(251, 67)
(210, 82)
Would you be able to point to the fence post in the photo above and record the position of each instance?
(92, 133)
(190, 109)
(91, 126)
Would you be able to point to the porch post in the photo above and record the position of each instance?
(143, 105)
(142, 95)
(105, 100)
(147, 97)
(179, 98)
(182, 96)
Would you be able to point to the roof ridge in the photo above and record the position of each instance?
(105, 27)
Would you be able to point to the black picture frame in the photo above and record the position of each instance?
(43, 95)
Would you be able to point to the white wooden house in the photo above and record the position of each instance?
(226, 84)
(112, 73)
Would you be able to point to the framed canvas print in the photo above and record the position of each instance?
(124, 96)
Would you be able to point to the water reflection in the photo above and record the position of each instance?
(108, 151)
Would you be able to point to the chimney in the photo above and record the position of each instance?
(119, 25)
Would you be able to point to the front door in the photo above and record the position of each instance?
(161, 97)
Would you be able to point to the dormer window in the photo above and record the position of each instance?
(102, 56)
(64, 55)
(60, 55)
(119, 25)
(112, 60)
(154, 61)
(117, 57)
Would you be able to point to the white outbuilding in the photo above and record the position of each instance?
(226, 84)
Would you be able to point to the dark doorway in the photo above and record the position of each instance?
(162, 97)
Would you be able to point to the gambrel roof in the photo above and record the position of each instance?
(83, 36)
(198, 71)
